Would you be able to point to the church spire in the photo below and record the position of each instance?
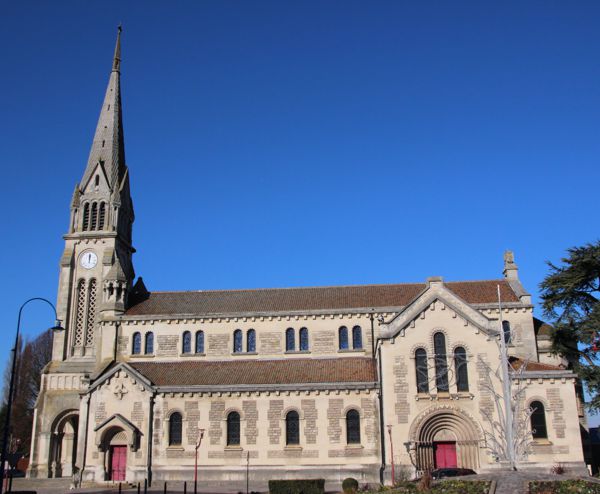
(107, 155)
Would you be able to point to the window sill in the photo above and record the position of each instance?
(188, 355)
(354, 446)
(243, 354)
(297, 352)
(143, 355)
(463, 395)
(293, 447)
(175, 448)
(351, 350)
(234, 448)
(542, 442)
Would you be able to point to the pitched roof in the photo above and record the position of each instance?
(259, 372)
(542, 328)
(518, 363)
(308, 299)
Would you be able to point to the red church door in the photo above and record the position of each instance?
(118, 462)
(445, 454)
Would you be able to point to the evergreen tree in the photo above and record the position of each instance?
(571, 299)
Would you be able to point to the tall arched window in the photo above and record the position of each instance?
(175, 424)
(94, 216)
(353, 427)
(149, 343)
(343, 338)
(441, 364)
(136, 348)
(506, 331)
(237, 341)
(460, 369)
(90, 329)
(290, 340)
(233, 429)
(101, 216)
(303, 340)
(421, 371)
(80, 314)
(292, 428)
(86, 217)
(186, 345)
(251, 341)
(538, 420)
(357, 338)
(200, 341)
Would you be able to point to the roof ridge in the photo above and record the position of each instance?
(320, 286)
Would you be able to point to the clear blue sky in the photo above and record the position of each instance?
(291, 143)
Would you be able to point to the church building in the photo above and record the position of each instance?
(320, 382)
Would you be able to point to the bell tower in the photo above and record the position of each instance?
(96, 269)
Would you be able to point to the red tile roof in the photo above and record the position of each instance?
(259, 372)
(307, 299)
(517, 363)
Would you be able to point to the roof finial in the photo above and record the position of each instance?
(117, 57)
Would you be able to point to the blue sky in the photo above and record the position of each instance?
(303, 143)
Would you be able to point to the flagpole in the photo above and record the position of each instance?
(507, 385)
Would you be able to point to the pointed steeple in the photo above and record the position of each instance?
(108, 149)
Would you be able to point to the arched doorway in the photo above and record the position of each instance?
(115, 458)
(445, 438)
(63, 445)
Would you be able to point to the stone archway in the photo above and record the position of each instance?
(449, 429)
(63, 444)
(115, 446)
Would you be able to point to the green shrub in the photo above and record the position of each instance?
(350, 485)
(300, 486)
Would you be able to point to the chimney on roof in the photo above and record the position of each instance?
(511, 270)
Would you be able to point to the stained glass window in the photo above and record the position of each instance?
(233, 429)
(303, 340)
(538, 420)
(352, 427)
(149, 344)
(237, 341)
(137, 344)
(460, 363)
(421, 371)
(441, 365)
(356, 338)
(292, 428)
(199, 341)
(187, 342)
(175, 429)
(343, 338)
(251, 341)
(290, 340)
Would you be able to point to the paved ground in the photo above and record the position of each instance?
(507, 483)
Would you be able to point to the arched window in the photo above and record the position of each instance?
(149, 344)
(86, 217)
(102, 216)
(233, 429)
(343, 338)
(251, 341)
(441, 365)
(290, 340)
(292, 428)
(352, 427)
(303, 340)
(80, 314)
(237, 341)
(460, 369)
(200, 341)
(94, 216)
(175, 429)
(538, 420)
(91, 313)
(357, 338)
(506, 331)
(97, 179)
(137, 344)
(421, 371)
(186, 346)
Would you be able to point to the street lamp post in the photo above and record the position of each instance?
(56, 327)
(389, 428)
(200, 436)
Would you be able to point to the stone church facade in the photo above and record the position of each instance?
(325, 382)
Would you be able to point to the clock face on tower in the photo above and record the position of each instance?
(88, 260)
